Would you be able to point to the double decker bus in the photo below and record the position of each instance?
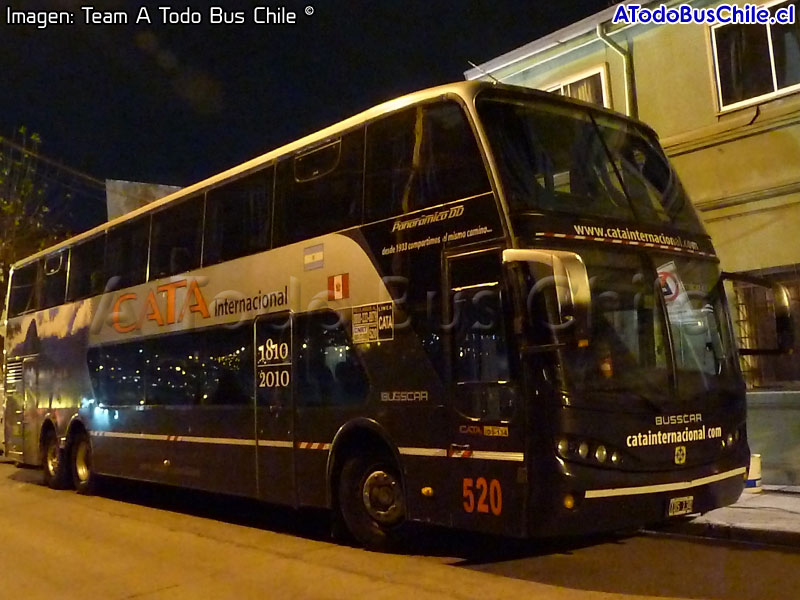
(477, 306)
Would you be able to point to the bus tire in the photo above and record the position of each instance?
(55, 471)
(372, 502)
(83, 476)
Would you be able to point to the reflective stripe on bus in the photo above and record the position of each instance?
(480, 454)
(176, 438)
(313, 446)
(664, 487)
(275, 443)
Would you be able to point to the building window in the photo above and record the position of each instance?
(754, 320)
(756, 61)
(589, 87)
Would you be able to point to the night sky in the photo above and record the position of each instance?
(177, 103)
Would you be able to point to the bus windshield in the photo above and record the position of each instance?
(631, 331)
(556, 158)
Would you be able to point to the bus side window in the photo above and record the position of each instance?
(176, 237)
(86, 269)
(320, 191)
(126, 254)
(117, 373)
(420, 157)
(24, 292)
(213, 367)
(238, 216)
(55, 279)
(329, 371)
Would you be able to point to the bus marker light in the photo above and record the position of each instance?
(600, 454)
(583, 450)
(569, 501)
(427, 492)
(563, 447)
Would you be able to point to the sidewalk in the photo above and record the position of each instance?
(768, 517)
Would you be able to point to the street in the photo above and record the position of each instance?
(150, 542)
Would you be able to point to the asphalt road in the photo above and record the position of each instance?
(153, 543)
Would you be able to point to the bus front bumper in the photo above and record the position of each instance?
(628, 507)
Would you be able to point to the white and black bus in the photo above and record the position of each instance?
(477, 306)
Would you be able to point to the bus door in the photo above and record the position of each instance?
(486, 447)
(274, 408)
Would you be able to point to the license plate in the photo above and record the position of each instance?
(680, 506)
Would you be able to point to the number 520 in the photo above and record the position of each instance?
(489, 495)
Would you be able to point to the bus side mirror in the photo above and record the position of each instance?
(568, 275)
(781, 302)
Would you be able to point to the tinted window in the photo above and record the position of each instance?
(55, 279)
(238, 218)
(421, 157)
(176, 238)
(212, 367)
(23, 290)
(320, 190)
(86, 268)
(329, 372)
(117, 373)
(126, 254)
(554, 157)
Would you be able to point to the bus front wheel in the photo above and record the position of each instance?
(372, 502)
(54, 468)
(83, 476)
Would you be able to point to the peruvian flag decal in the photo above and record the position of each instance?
(339, 286)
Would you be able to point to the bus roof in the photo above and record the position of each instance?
(466, 90)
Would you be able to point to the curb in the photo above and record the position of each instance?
(727, 532)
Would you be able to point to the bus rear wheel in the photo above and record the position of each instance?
(83, 476)
(54, 468)
(372, 502)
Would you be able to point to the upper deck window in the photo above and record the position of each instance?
(54, 284)
(176, 238)
(126, 254)
(24, 296)
(565, 159)
(238, 218)
(420, 157)
(320, 190)
(86, 274)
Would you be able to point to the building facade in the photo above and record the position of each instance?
(725, 101)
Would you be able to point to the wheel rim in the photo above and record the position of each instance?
(51, 458)
(82, 461)
(383, 498)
